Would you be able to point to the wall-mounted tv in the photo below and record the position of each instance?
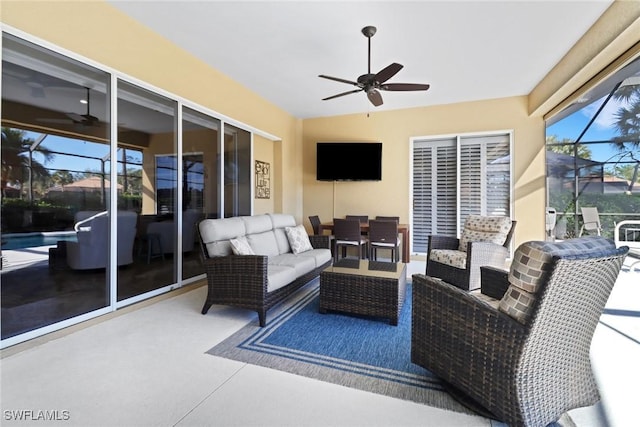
(349, 161)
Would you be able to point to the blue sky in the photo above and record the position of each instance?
(78, 147)
(602, 129)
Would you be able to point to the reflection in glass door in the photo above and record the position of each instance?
(237, 172)
(200, 189)
(147, 144)
(55, 188)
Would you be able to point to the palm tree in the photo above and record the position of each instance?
(627, 117)
(566, 146)
(627, 122)
(16, 159)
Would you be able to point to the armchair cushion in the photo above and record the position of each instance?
(492, 229)
(531, 266)
(450, 257)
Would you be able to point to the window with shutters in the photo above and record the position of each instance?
(457, 176)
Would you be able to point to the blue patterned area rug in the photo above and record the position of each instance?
(358, 352)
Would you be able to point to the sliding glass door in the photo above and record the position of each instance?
(200, 183)
(55, 188)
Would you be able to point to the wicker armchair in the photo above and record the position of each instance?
(485, 241)
(525, 364)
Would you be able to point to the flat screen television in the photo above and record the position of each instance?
(349, 161)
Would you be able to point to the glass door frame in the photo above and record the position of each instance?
(113, 196)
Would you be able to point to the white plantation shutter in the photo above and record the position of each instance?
(455, 177)
(498, 186)
(422, 196)
(471, 182)
(434, 190)
(444, 209)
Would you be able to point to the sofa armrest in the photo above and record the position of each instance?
(460, 338)
(238, 274)
(320, 241)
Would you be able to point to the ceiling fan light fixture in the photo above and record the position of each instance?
(371, 83)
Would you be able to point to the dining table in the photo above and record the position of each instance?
(403, 229)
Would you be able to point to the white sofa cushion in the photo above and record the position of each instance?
(279, 276)
(263, 243)
(320, 256)
(215, 234)
(279, 222)
(302, 265)
(282, 220)
(257, 224)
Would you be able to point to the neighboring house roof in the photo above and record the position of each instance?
(88, 184)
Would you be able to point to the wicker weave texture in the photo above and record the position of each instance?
(241, 281)
(526, 375)
(479, 254)
(363, 295)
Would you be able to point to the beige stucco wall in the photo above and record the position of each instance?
(391, 196)
(101, 33)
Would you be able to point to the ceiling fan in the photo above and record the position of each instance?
(373, 83)
(83, 120)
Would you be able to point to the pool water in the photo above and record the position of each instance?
(30, 240)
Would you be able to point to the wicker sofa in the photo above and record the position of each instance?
(255, 262)
(524, 358)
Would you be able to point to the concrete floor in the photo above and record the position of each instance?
(146, 366)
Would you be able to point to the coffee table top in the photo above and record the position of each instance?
(363, 267)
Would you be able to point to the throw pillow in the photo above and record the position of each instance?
(240, 246)
(298, 239)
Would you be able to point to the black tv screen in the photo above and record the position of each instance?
(349, 161)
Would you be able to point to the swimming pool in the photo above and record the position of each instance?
(30, 240)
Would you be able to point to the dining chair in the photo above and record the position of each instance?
(391, 218)
(347, 234)
(383, 234)
(315, 225)
(362, 218)
(388, 218)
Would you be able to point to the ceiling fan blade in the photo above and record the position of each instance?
(404, 86)
(76, 117)
(60, 121)
(375, 97)
(388, 72)
(339, 80)
(342, 94)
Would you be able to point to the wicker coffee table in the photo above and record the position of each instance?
(369, 288)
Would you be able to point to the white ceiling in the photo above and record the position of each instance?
(466, 51)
